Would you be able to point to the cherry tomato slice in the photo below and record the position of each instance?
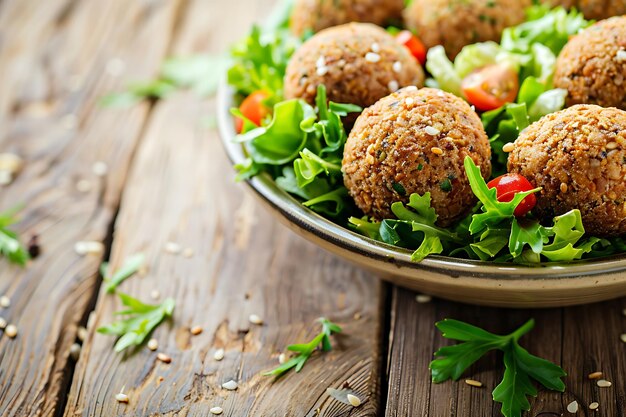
(508, 185)
(253, 108)
(412, 42)
(491, 87)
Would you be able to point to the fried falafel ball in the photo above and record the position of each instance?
(359, 63)
(578, 156)
(456, 23)
(593, 9)
(315, 15)
(592, 65)
(415, 141)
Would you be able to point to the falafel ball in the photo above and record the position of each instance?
(415, 141)
(593, 9)
(592, 65)
(315, 15)
(578, 156)
(455, 23)
(359, 63)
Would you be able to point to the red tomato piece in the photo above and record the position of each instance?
(508, 185)
(412, 42)
(491, 87)
(253, 109)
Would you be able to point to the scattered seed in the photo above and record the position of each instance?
(230, 385)
(436, 150)
(603, 383)
(216, 410)
(219, 354)
(594, 405)
(11, 162)
(155, 294)
(3, 323)
(5, 302)
(372, 57)
(432, 131)
(159, 380)
(115, 67)
(74, 351)
(393, 86)
(572, 407)
(100, 168)
(122, 398)
(11, 330)
(255, 319)
(473, 383)
(623, 337)
(88, 248)
(173, 248)
(595, 375)
(6, 178)
(81, 333)
(508, 147)
(196, 330)
(153, 344)
(188, 253)
(409, 101)
(83, 186)
(357, 316)
(423, 298)
(375, 47)
(164, 357)
(354, 400)
(397, 66)
(282, 358)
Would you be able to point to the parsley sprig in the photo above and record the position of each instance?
(520, 366)
(305, 350)
(10, 245)
(113, 279)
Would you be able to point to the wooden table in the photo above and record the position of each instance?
(167, 179)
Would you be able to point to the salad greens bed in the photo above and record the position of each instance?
(301, 147)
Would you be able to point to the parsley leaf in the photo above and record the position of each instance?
(130, 267)
(305, 350)
(141, 320)
(520, 366)
(10, 245)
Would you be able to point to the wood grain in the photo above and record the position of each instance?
(580, 339)
(182, 190)
(53, 60)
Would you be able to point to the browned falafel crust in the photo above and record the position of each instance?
(593, 9)
(315, 15)
(456, 23)
(592, 66)
(578, 156)
(359, 63)
(415, 141)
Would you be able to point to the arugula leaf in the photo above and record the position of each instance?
(130, 267)
(305, 350)
(520, 366)
(141, 321)
(10, 245)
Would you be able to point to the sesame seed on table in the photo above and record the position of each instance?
(104, 183)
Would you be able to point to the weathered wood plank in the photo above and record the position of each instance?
(581, 339)
(53, 71)
(181, 189)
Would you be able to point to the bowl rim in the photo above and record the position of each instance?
(309, 221)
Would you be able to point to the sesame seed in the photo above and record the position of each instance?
(572, 407)
(164, 357)
(411, 88)
(432, 131)
(372, 57)
(88, 247)
(563, 187)
(440, 93)
(409, 101)
(321, 62)
(122, 398)
(473, 107)
(173, 248)
(100, 168)
(230, 385)
(375, 47)
(155, 294)
(623, 337)
(10, 162)
(321, 71)
(6, 177)
(508, 147)
(595, 375)
(473, 383)
(357, 316)
(218, 355)
(393, 86)
(354, 400)
(611, 145)
(436, 150)
(603, 383)
(188, 253)
(115, 67)
(255, 319)
(196, 330)
(423, 298)
(83, 186)
(11, 331)
(621, 55)
(216, 410)
(3, 323)
(282, 358)
(153, 344)
(397, 66)
(594, 405)
(5, 302)
(74, 351)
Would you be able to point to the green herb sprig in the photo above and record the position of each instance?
(10, 245)
(305, 350)
(130, 267)
(520, 366)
